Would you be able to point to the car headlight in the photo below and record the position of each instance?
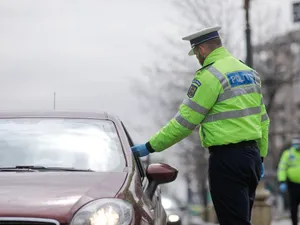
(104, 212)
(173, 218)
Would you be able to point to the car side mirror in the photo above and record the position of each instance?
(159, 173)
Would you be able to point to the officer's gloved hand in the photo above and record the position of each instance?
(283, 187)
(140, 150)
(262, 173)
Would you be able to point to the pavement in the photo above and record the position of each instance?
(279, 222)
(275, 222)
(282, 222)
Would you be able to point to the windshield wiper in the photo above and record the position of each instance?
(42, 168)
(14, 169)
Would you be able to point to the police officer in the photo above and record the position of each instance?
(225, 99)
(289, 176)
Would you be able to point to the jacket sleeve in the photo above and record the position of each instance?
(263, 143)
(200, 98)
(282, 167)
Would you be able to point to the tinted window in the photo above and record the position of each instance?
(137, 159)
(77, 143)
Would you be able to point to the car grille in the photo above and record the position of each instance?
(27, 221)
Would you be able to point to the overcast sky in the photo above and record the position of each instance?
(88, 52)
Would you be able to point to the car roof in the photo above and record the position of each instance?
(59, 114)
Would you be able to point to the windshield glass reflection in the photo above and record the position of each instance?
(74, 143)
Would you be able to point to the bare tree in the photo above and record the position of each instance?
(277, 61)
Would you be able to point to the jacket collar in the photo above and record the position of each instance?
(218, 53)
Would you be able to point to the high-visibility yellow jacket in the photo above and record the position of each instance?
(289, 166)
(225, 98)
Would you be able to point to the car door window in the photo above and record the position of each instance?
(138, 162)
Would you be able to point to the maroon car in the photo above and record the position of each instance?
(75, 168)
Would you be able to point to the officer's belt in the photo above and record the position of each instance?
(231, 146)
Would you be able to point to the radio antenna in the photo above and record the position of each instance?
(54, 100)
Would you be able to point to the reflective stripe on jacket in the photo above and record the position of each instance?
(289, 166)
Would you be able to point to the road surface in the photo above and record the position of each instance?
(277, 222)
(282, 222)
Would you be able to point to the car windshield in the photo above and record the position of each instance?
(169, 203)
(85, 144)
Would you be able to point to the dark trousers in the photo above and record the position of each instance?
(234, 173)
(294, 199)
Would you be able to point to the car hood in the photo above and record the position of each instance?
(56, 195)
